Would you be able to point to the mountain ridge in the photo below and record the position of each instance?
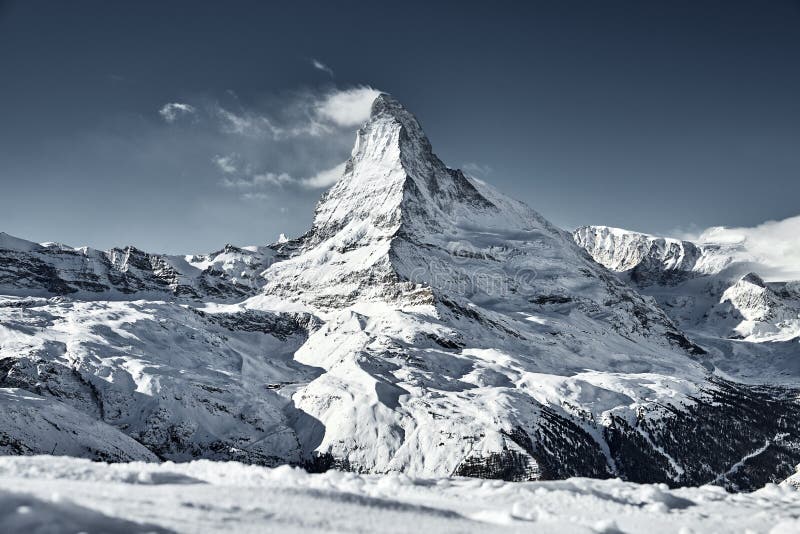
(707, 288)
(56, 269)
(425, 324)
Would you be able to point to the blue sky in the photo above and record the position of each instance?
(180, 126)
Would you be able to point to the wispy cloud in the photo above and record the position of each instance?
(774, 244)
(287, 144)
(174, 110)
(310, 114)
(246, 123)
(227, 164)
(325, 178)
(258, 196)
(347, 108)
(258, 180)
(319, 65)
(322, 179)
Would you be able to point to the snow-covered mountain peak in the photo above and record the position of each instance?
(386, 103)
(764, 311)
(450, 310)
(651, 259)
(645, 255)
(393, 178)
(708, 287)
(386, 107)
(753, 299)
(372, 185)
(394, 196)
(403, 229)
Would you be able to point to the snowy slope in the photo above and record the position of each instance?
(425, 324)
(710, 289)
(181, 382)
(69, 495)
(621, 250)
(465, 334)
(450, 307)
(768, 313)
(30, 424)
(650, 259)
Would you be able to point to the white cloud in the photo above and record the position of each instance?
(282, 142)
(307, 122)
(256, 196)
(226, 164)
(247, 124)
(271, 178)
(174, 110)
(306, 114)
(775, 244)
(319, 65)
(325, 178)
(259, 180)
(262, 180)
(349, 107)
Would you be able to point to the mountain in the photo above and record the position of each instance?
(111, 336)
(28, 268)
(769, 312)
(425, 323)
(709, 289)
(651, 260)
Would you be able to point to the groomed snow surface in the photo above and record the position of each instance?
(47, 494)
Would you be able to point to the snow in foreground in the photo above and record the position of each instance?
(56, 494)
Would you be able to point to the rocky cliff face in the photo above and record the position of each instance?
(650, 260)
(620, 250)
(425, 324)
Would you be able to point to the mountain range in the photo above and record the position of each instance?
(425, 324)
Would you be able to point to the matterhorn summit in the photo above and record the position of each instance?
(425, 324)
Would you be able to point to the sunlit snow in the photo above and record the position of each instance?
(58, 495)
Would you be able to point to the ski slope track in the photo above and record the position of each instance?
(426, 324)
